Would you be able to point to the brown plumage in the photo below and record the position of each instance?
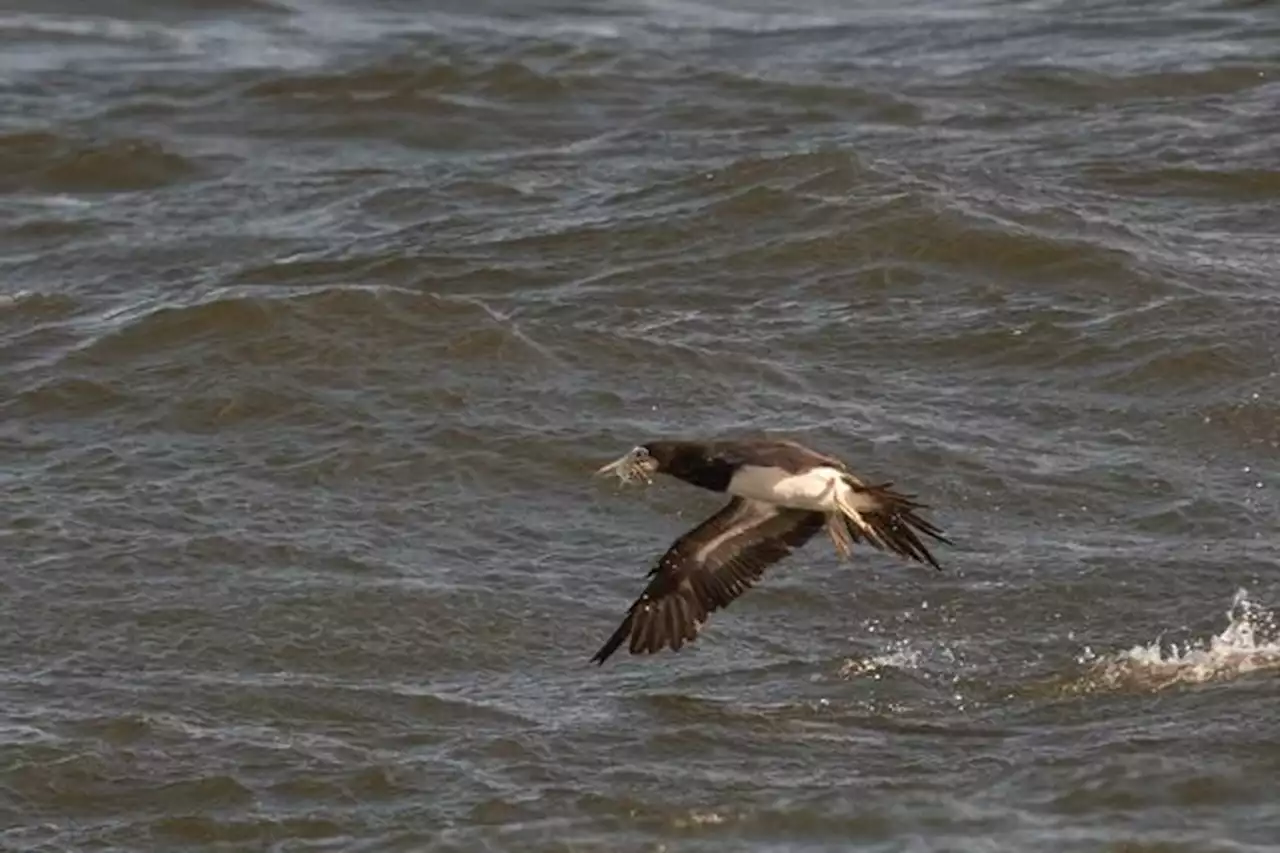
(706, 569)
(783, 494)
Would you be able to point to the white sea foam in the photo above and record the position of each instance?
(1250, 642)
(7, 299)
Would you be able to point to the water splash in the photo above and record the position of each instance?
(931, 674)
(901, 656)
(1250, 642)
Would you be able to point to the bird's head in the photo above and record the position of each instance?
(641, 462)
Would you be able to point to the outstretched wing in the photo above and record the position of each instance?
(706, 569)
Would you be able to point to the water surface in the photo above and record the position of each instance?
(316, 317)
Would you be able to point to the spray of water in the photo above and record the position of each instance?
(1250, 642)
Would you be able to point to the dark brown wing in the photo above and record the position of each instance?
(706, 569)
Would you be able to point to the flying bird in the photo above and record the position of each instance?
(782, 493)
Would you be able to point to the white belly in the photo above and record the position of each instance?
(813, 490)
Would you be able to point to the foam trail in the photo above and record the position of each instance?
(1250, 642)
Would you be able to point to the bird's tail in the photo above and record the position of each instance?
(838, 528)
(887, 519)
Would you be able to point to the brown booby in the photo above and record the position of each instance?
(782, 493)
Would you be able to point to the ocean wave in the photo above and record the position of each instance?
(26, 306)
(403, 83)
(267, 327)
(50, 162)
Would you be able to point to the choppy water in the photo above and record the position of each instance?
(315, 318)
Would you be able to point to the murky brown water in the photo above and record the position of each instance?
(316, 317)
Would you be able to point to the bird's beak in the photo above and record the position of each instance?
(633, 465)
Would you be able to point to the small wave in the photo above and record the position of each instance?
(35, 305)
(682, 15)
(398, 82)
(1231, 185)
(273, 326)
(52, 163)
(1249, 643)
(70, 396)
(223, 33)
(203, 829)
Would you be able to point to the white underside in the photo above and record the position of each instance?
(822, 489)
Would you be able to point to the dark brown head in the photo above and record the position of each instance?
(691, 461)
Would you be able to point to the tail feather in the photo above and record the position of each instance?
(890, 524)
(842, 534)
